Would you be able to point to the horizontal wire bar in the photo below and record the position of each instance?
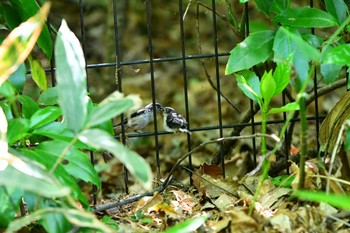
(146, 134)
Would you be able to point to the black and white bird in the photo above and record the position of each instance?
(138, 120)
(173, 121)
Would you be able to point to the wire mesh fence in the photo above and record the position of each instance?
(174, 53)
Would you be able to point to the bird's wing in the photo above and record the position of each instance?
(175, 120)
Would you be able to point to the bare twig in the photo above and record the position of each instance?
(219, 140)
(161, 188)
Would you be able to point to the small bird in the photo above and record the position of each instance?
(173, 121)
(138, 120)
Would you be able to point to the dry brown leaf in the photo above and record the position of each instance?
(241, 222)
(331, 125)
(215, 187)
(184, 203)
(225, 202)
(146, 204)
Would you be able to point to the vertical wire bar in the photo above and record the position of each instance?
(217, 74)
(184, 72)
(246, 12)
(83, 41)
(316, 94)
(286, 149)
(52, 60)
(120, 86)
(150, 50)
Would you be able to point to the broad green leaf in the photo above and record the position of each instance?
(18, 78)
(71, 78)
(54, 222)
(339, 55)
(281, 75)
(49, 97)
(264, 6)
(280, 5)
(30, 177)
(135, 164)
(189, 225)
(256, 48)
(78, 164)
(38, 73)
(29, 106)
(340, 201)
(46, 159)
(283, 181)
(111, 107)
(17, 129)
(110, 222)
(286, 108)
(6, 109)
(9, 204)
(305, 18)
(58, 130)
(44, 116)
(77, 217)
(19, 43)
(7, 90)
(249, 83)
(330, 72)
(288, 42)
(18, 11)
(338, 9)
(267, 87)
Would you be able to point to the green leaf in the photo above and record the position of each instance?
(44, 116)
(330, 72)
(9, 204)
(189, 225)
(340, 201)
(19, 43)
(71, 78)
(19, 11)
(38, 73)
(18, 78)
(57, 130)
(7, 90)
(29, 106)
(49, 97)
(264, 6)
(286, 108)
(283, 181)
(256, 48)
(46, 159)
(17, 129)
(305, 18)
(110, 222)
(280, 5)
(76, 162)
(339, 55)
(249, 83)
(281, 75)
(136, 165)
(338, 9)
(288, 42)
(30, 177)
(267, 87)
(111, 107)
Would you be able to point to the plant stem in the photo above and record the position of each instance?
(303, 141)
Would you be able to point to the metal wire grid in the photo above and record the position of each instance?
(184, 58)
